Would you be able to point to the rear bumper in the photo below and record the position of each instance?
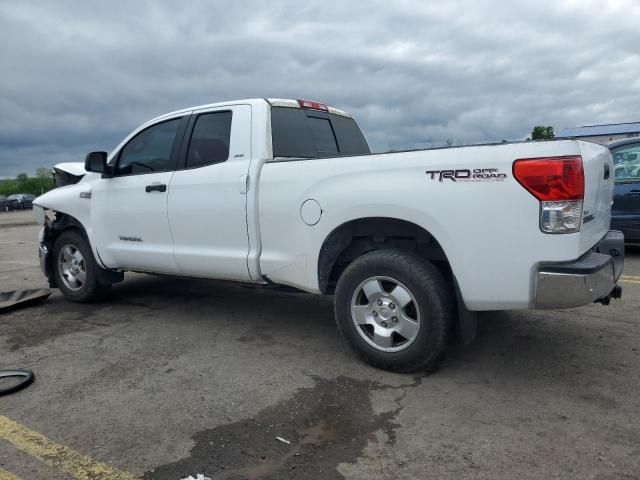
(591, 278)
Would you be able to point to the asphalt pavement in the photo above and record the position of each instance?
(175, 377)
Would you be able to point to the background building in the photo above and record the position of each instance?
(602, 133)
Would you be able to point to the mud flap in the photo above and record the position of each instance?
(467, 321)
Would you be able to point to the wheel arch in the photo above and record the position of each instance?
(63, 222)
(358, 236)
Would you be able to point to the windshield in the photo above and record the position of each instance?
(626, 161)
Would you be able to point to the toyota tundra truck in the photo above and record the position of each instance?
(410, 244)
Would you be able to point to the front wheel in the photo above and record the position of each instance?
(75, 268)
(395, 309)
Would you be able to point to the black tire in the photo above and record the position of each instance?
(432, 294)
(27, 375)
(91, 290)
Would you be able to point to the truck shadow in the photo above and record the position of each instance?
(573, 347)
(513, 344)
(510, 346)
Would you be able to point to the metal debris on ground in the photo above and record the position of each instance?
(283, 440)
(22, 298)
(199, 476)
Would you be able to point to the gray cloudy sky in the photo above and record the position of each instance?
(78, 76)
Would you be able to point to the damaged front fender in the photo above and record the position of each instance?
(68, 173)
(52, 228)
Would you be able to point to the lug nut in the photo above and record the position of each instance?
(384, 324)
(379, 302)
(392, 306)
(394, 319)
(375, 314)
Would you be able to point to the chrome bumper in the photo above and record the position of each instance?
(591, 278)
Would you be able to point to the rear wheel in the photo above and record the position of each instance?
(75, 268)
(395, 309)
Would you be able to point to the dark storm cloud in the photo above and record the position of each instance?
(78, 76)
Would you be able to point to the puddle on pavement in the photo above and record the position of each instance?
(327, 424)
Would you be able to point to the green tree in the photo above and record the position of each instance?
(23, 183)
(8, 187)
(541, 132)
(43, 173)
(43, 181)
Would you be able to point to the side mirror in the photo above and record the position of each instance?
(96, 162)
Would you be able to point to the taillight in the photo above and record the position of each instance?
(558, 182)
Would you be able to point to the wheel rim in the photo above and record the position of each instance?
(385, 314)
(72, 267)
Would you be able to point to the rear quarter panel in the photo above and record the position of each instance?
(488, 229)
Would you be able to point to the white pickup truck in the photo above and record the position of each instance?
(410, 244)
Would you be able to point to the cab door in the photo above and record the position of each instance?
(207, 195)
(129, 209)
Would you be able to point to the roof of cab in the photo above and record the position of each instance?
(623, 142)
(277, 102)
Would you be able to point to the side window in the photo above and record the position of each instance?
(626, 162)
(210, 139)
(149, 151)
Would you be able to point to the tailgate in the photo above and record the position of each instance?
(598, 192)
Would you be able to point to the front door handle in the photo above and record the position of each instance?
(156, 187)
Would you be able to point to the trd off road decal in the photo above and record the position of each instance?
(466, 175)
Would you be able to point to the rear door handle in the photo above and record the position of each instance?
(156, 187)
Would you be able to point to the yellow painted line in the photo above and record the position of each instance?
(77, 465)
(630, 277)
(4, 475)
(624, 280)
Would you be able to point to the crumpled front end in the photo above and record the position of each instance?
(68, 174)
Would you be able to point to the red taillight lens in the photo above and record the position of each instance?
(551, 178)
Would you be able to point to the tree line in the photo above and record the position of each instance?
(37, 185)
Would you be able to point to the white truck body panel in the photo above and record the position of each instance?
(126, 211)
(214, 198)
(241, 219)
(485, 228)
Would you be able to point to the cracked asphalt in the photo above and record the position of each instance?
(175, 377)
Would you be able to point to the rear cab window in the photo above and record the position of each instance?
(308, 133)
